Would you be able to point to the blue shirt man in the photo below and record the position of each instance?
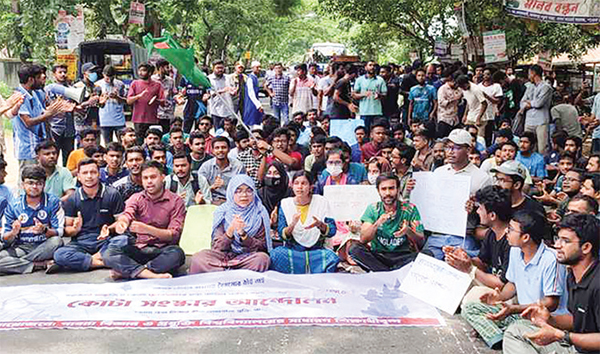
(109, 179)
(534, 163)
(422, 99)
(26, 138)
(112, 113)
(48, 212)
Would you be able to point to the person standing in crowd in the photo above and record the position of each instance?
(113, 171)
(241, 232)
(391, 227)
(86, 113)
(148, 231)
(250, 107)
(59, 180)
(578, 330)
(29, 128)
(166, 112)
(62, 125)
(278, 88)
(449, 96)
(391, 110)
(341, 105)
(476, 104)
(565, 117)
(111, 103)
(478, 77)
(33, 225)
(423, 100)
(219, 170)
(369, 90)
(90, 218)
(304, 222)
(325, 88)
(536, 106)
(145, 95)
(302, 90)
(492, 91)
(222, 106)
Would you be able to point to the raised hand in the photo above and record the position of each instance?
(491, 298)
(537, 313)
(500, 315)
(318, 224)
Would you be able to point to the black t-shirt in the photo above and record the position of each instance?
(495, 254)
(584, 302)
(530, 205)
(339, 110)
(194, 95)
(390, 101)
(408, 82)
(97, 211)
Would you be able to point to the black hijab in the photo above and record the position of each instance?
(272, 193)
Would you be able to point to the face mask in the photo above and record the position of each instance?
(93, 77)
(372, 178)
(272, 181)
(334, 170)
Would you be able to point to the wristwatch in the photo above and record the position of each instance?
(566, 341)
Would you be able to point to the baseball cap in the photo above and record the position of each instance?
(511, 168)
(89, 67)
(255, 63)
(461, 137)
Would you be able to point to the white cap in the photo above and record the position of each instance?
(461, 137)
(255, 63)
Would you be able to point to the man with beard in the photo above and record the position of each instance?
(148, 231)
(369, 91)
(423, 101)
(511, 176)
(439, 154)
(145, 95)
(390, 101)
(127, 186)
(392, 228)
(29, 127)
(220, 169)
(578, 330)
(61, 125)
(449, 96)
(191, 187)
(90, 214)
(59, 181)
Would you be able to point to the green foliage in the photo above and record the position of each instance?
(5, 90)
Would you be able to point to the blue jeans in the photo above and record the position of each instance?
(436, 242)
(77, 255)
(281, 111)
(123, 256)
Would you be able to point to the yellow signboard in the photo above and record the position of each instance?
(71, 61)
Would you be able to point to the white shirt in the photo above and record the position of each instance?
(479, 179)
(324, 82)
(475, 98)
(494, 90)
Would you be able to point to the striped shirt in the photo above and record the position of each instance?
(281, 88)
(48, 212)
(26, 139)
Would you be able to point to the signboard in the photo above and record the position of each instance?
(561, 11)
(70, 31)
(349, 202)
(137, 12)
(545, 61)
(238, 298)
(457, 52)
(437, 283)
(441, 202)
(441, 48)
(344, 129)
(71, 61)
(494, 46)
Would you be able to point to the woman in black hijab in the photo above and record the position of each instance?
(275, 187)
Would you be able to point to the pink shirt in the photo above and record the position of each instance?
(143, 112)
(166, 212)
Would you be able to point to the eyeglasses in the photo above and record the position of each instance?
(561, 241)
(509, 230)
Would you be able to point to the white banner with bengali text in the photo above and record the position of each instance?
(561, 11)
(227, 299)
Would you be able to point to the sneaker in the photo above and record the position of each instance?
(53, 268)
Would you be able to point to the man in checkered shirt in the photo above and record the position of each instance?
(278, 87)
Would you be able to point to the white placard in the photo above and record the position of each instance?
(237, 298)
(494, 46)
(441, 202)
(436, 283)
(349, 202)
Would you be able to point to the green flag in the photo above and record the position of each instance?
(181, 58)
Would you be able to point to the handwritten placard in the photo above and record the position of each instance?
(349, 202)
(436, 283)
(344, 129)
(441, 202)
